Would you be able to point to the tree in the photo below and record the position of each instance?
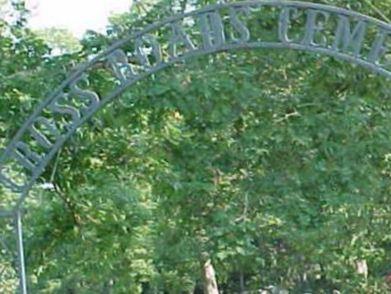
(251, 165)
(62, 41)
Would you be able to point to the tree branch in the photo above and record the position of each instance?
(378, 11)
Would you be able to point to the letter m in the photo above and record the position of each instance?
(348, 40)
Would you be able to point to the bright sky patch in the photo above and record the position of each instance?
(75, 15)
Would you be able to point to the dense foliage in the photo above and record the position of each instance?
(276, 166)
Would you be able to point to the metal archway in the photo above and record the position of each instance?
(332, 31)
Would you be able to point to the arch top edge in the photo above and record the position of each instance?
(183, 43)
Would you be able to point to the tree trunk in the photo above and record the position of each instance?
(241, 282)
(209, 276)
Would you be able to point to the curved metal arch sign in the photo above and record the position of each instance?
(310, 27)
(327, 30)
